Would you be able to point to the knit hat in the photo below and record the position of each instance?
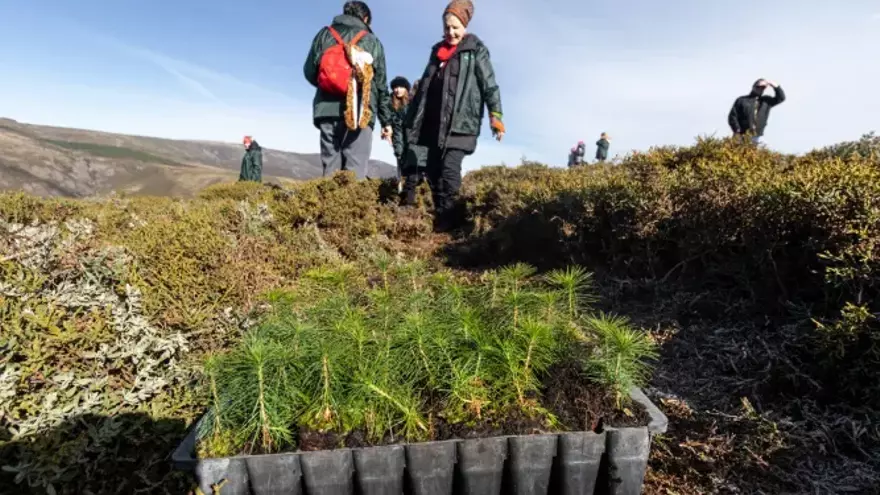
(400, 82)
(463, 9)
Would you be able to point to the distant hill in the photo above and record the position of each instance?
(56, 161)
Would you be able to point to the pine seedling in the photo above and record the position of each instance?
(258, 384)
(575, 285)
(384, 263)
(413, 272)
(619, 360)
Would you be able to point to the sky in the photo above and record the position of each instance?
(648, 73)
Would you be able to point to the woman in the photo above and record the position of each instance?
(252, 161)
(445, 116)
(399, 104)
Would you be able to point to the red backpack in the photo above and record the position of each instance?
(334, 68)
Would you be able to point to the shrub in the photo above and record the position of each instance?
(720, 217)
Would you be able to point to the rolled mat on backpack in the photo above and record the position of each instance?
(357, 116)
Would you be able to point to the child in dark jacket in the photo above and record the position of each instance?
(399, 104)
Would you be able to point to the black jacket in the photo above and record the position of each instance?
(749, 113)
(467, 87)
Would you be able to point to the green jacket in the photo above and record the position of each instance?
(331, 107)
(602, 149)
(252, 163)
(470, 72)
(397, 120)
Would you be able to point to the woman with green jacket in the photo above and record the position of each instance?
(445, 116)
(252, 161)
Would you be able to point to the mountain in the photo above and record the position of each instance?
(57, 161)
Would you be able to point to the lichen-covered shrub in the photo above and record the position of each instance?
(107, 307)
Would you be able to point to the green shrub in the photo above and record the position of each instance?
(720, 217)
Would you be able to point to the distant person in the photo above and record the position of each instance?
(749, 113)
(444, 119)
(252, 161)
(580, 153)
(343, 112)
(572, 157)
(602, 146)
(399, 103)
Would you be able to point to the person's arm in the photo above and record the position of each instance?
(258, 162)
(380, 82)
(397, 132)
(489, 88)
(310, 68)
(778, 94)
(732, 119)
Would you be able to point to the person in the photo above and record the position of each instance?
(399, 103)
(345, 108)
(749, 113)
(602, 147)
(444, 119)
(572, 157)
(580, 153)
(252, 161)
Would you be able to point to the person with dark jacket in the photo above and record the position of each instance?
(749, 113)
(399, 103)
(346, 121)
(444, 118)
(572, 157)
(602, 146)
(252, 161)
(580, 153)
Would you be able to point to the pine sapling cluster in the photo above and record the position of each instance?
(392, 352)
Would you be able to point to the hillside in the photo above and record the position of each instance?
(55, 161)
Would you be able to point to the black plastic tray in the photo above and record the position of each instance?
(579, 463)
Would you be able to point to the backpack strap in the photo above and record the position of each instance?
(335, 35)
(357, 37)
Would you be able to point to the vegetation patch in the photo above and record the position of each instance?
(409, 355)
(107, 151)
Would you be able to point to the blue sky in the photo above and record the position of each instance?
(647, 72)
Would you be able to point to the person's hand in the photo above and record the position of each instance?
(387, 132)
(770, 83)
(497, 127)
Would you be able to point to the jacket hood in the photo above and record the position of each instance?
(351, 21)
(255, 145)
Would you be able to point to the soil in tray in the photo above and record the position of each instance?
(578, 405)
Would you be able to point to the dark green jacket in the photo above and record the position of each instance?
(469, 87)
(602, 149)
(252, 163)
(332, 107)
(397, 139)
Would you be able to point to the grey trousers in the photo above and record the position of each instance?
(343, 149)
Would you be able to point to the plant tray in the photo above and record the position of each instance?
(578, 463)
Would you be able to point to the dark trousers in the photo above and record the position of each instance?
(411, 180)
(444, 177)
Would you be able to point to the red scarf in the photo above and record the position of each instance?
(446, 51)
